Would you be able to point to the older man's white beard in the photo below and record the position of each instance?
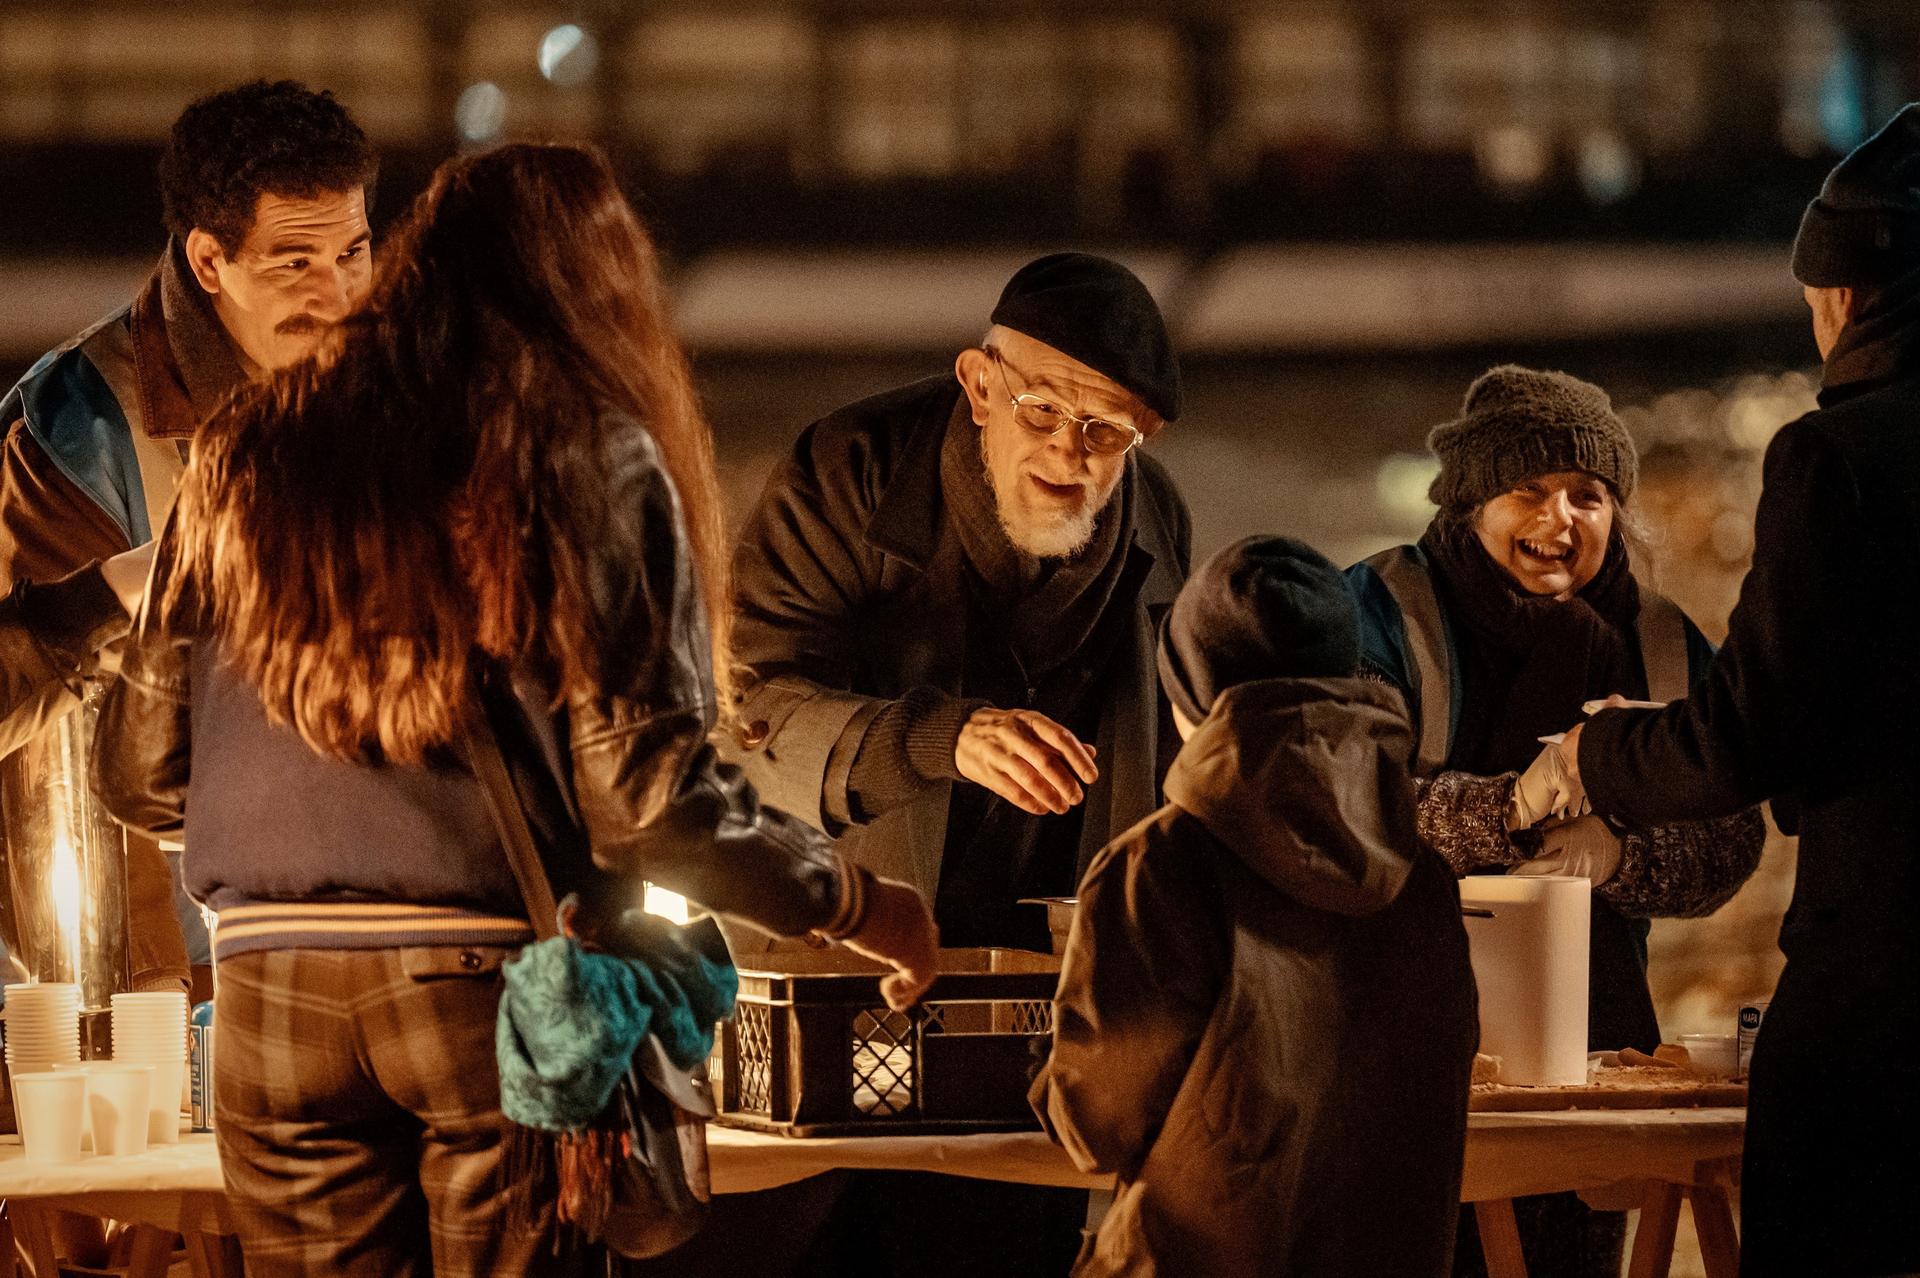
(1061, 538)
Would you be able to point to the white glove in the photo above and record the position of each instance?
(1546, 789)
(1583, 848)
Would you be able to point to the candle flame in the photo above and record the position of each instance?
(668, 905)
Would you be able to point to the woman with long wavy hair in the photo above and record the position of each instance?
(491, 499)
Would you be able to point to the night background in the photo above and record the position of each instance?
(1347, 211)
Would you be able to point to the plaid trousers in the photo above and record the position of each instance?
(358, 1117)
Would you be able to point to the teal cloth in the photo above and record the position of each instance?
(572, 1018)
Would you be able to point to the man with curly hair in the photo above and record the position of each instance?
(266, 189)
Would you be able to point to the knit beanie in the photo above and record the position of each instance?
(1521, 422)
(1099, 312)
(1263, 608)
(1864, 226)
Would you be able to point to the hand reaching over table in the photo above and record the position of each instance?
(1549, 787)
(1583, 848)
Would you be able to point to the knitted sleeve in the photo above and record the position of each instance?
(1464, 818)
(1687, 870)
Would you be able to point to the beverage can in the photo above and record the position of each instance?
(1751, 1014)
(200, 1066)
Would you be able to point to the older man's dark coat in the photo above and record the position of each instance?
(848, 596)
(1814, 702)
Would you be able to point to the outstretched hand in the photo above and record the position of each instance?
(899, 931)
(1548, 788)
(1583, 848)
(1569, 749)
(1025, 758)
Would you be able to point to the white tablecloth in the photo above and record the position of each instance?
(192, 1166)
(1508, 1155)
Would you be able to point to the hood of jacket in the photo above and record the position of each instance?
(1307, 781)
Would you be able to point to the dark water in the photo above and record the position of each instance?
(1291, 446)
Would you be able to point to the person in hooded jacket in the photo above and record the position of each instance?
(1266, 1019)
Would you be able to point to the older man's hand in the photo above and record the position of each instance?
(1025, 758)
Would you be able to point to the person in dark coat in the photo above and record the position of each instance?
(944, 606)
(1520, 603)
(1267, 1019)
(945, 601)
(1812, 703)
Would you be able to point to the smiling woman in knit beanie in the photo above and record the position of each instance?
(1520, 422)
(1518, 605)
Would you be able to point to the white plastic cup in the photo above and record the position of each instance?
(118, 1101)
(48, 1107)
(151, 1029)
(163, 1104)
(1712, 1054)
(43, 1023)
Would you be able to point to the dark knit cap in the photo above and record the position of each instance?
(1263, 608)
(1099, 312)
(1521, 422)
(1864, 226)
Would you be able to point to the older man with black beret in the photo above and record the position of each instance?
(945, 607)
(946, 603)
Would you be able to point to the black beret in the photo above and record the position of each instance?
(1263, 608)
(1099, 312)
(1864, 227)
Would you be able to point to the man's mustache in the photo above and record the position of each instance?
(299, 325)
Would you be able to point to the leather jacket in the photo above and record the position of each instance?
(623, 774)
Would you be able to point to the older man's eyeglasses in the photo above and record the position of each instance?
(1043, 417)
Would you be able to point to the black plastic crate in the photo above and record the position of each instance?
(813, 1050)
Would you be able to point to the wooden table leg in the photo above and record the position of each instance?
(1500, 1238)
(1653, 1238)
(151, 1252)
(1713, 1221)
(34, 1237)
(214, 1256)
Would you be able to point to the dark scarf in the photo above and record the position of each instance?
(1049, 607)
(1528, 662)
(184, 361)
(1883, 342)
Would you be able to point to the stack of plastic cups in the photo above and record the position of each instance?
(43, 1026)
(151, 1029)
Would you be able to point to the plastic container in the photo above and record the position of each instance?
(1060, 912)
(200, 1067)
(1751, 1015)
(118, 1100)
(1527, 937)
(49, 1107)
(1715, 1055)
(813, 1050)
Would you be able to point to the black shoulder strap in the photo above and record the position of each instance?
(1663, 647)
(516, 837)
(1406, 578)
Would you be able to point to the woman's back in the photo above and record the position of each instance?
(269, 820)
